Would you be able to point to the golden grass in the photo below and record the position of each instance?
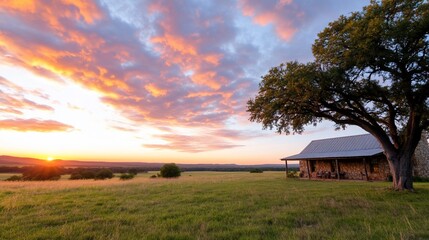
(65, 183)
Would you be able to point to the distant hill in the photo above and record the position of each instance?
(20, 161)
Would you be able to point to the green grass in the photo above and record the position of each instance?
(211, 205)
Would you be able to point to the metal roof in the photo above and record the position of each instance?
(342, 147)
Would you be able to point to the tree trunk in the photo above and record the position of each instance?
(401, 168)
(406, 173)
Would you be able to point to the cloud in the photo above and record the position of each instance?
(34, 125)
(147, 81)
(178, 74)
(290, 18)
(193, 144)
(160, 63)
(155, 91)
(285, 15)
(209, 139)
(13, 99)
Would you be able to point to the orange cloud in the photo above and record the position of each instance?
(213, 58)
(88, 10)
(176, 43)
(155, 91)
(34, 125)
(56, 47)
(20, 5)
(283, 15)
(178, 50)
(186, 50)
(187, 74)
(77, 9)
(265, 18)
(225, 95)
(208, 78)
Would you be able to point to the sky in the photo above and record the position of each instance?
(151, 81)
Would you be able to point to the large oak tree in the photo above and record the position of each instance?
(370, 70)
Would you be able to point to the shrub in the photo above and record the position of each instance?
(103, 174)
(133, 171)
(14, 178)
(127, 176)
(75, 176)
(87, 174)
(40, 173)
(82, 174)
(170, 170)
(153, 176)
(293, 174)
(256, 171)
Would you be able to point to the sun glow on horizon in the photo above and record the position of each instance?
(49, 159)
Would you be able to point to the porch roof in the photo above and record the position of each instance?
(342, 147)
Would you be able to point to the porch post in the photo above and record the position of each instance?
(338, 169)
(308, 169)
(366, 172)
(287, 170)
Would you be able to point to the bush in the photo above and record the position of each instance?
(87, 174)
(82, 174)
(256, 171)
(42, 173)
(153, 176)
(75, 176)
(127, 176)
(103, 174)
(133, 171)
(14, 178)
(293, 174)
(92, 174)
(170, 170)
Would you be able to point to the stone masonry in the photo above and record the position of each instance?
(421, 158)
(351, 168)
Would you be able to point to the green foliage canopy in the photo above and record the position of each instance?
(371, 70)
(42, 173)
(170, 170)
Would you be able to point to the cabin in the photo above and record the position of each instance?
(357, 157)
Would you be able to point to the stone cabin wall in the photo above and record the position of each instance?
(377, 168)
(421, 158)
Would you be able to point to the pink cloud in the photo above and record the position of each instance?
(188, 70)
(34, 125)
(187, 143)
(285, 15)
(187, 46)
(13, 100)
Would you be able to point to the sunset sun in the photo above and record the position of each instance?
(49, 159)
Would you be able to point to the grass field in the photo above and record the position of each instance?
(212, 205)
